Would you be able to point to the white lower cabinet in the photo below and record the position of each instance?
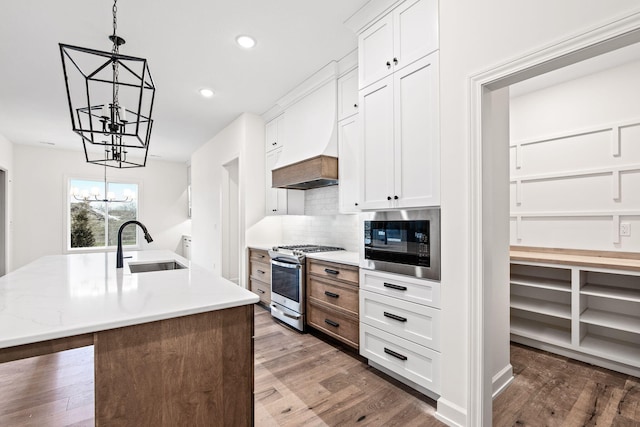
(400, 327)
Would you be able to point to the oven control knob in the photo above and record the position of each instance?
(275, 248)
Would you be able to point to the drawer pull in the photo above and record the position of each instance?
(395, 317)
(397, 287)
(332, 323)
(260, 271)
(330, 271)
(331, 294)
(262, 292)
(394, 354)
(261, 256)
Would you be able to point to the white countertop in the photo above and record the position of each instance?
(64, 295)
(342, 257)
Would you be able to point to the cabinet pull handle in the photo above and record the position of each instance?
(356, 203)
(332, 323)
(388, 64)
(388, 197)
(395, 197)
(261, 256)
(394, 354)
(331, 294)
(395, 317)
(260, 271)
(395, 61)
(260, 290)
(274, 143)
(330, 271)
(397, 287)
(355, 105)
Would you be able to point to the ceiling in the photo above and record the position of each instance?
(189, 45)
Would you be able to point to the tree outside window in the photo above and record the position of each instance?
(94, 223)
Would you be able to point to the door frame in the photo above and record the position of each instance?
(602, 39)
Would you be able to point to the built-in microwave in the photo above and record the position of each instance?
(404, 242)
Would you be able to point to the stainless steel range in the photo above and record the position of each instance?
(288, 282)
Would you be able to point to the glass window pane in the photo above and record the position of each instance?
(87, 218)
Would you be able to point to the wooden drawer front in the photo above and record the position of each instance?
(334, 293)
(407, 288)
(263, 290)
(337, 324)
(333, 271)
(412, 361)
(407, 320)
(261, 272)
(259, 255)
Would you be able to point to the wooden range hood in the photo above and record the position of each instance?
(318, 171)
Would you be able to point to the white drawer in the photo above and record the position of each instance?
(409, 360)
(408, 320)
(408, 288)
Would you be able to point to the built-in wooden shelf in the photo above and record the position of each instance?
(541, 306)
(541, 331)
(541, 282)
(613, 292)
(622, 322)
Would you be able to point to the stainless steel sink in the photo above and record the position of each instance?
(155, 266)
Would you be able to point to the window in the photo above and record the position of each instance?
(94, 219)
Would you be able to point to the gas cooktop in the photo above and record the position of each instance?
(298, 251)
(308, 248)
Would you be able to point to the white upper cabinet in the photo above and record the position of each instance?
(276, 198)
(400, 139)
(349, 165)
(274, 133)
(348, 94)
(376, 124)
(417, 134)
(408, 33)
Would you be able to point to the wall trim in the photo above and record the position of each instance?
(451, 414)
(502, 380)
(608, 36)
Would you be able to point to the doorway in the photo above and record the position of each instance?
(3, 222)
(230, 230)
(489, 177)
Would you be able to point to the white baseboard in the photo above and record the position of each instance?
(501, 380)
(451, 414)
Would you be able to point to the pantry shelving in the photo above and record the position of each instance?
(582, 304)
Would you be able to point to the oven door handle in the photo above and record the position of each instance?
(282, 313)
(285, 264)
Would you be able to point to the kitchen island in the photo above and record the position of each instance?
(171, 347)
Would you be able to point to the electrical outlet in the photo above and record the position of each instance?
(625, 229)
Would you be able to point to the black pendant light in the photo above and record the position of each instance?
(110, 101)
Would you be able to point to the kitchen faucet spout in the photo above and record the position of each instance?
(147, 236)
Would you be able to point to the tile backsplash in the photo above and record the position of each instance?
(328, 230)
(321, 201)
(322, 224)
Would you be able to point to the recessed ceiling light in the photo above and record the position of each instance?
(246, 42)
(207, 93)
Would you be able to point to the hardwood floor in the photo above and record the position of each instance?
(303, 380)
(551, 390)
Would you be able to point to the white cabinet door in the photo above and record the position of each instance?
(375, 51)
(276, 198)
(348, 165)
(376, 124)
(415, 31)
(417, 135)
(274, 134)
(348, 94)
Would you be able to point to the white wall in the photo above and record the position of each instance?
(6, 163)
(544, 182)
(40, 181)
(242, 139)
(475, 37)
